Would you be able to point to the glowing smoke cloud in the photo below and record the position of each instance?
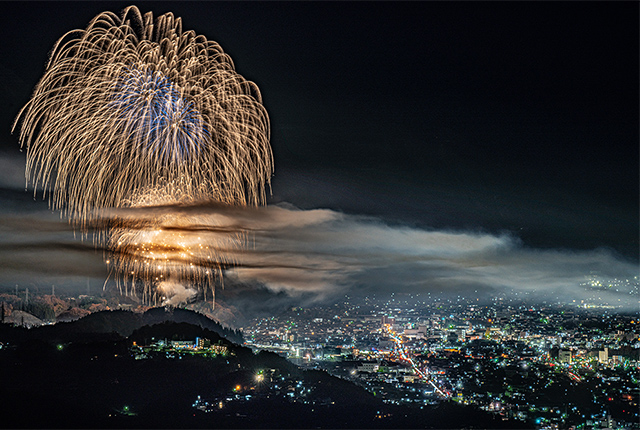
(157, 247)
(134, 111)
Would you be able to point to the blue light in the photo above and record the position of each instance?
(152, 110)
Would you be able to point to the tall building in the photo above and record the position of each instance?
(202, 343)
(564, 356)
(388, 320)
(603, 356)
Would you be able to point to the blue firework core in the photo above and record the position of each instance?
(158, 115)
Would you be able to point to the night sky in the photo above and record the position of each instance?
(505, 120)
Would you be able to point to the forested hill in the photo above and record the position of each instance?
(123, 323)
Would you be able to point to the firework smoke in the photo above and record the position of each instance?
(153, 245)
(133, 112)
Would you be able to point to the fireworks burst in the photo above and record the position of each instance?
(133, 111)
(160, 246)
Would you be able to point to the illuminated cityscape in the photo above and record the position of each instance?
(552, 365)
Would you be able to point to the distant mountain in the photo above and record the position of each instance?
(23, 318)
(72, 314)
(158, 315)
(120, 322)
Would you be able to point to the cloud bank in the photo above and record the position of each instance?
(329, 252)
(325, 254)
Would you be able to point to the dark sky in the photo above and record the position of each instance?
(492, 117)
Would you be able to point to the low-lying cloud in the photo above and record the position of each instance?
(325, 254)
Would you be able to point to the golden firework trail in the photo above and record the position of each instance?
(159, 240)
(133, 111)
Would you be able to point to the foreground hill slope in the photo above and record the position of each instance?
(104, 380)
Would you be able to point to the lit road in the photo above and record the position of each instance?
(405, 356)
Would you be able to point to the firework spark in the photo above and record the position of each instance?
(154, 244)
(134, 111)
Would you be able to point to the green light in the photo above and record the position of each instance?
(60, 347)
